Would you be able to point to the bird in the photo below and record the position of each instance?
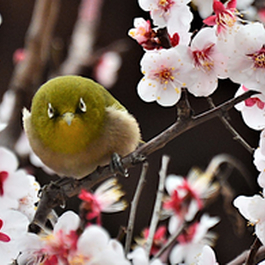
(75, 125)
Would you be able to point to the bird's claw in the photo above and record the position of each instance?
(116, 165)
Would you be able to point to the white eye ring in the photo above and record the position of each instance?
(50, 111)
(82, 105)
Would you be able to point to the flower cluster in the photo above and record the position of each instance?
(224, 48)
(64, 245)
(18, 195)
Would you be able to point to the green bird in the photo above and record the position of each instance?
(75, 125)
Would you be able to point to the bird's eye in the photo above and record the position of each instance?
(50, 111)
(82, 105)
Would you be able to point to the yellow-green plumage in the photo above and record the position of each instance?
(76, 125)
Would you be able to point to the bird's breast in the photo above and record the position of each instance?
(70, 139)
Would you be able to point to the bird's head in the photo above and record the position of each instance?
(68, 112)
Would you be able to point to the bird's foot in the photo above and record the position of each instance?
(116, 165)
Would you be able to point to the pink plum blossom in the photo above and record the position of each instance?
(158, 241)
(106, 71)
(173, 14)
(106, 198)
(247, 64)
(250, 207)
(208, 62)
(252, 109)
(224, 16)
(187, 195)
(165, 72)
(191, 242)
(144, 34)
(142, 31)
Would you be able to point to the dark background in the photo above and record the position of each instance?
(194, 148)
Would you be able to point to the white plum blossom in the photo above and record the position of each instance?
(250, 207)
(94, 246)
(191, 242)
(27, 203)
(175, 15)
(252, 109)
(53, 245)
(207, 257)
(226, 24)
(13, 226)
(259, 162)
(208, 62)
(65, 246)
(165, 72)
(247, 63)
(259, 159)
(14, 184)
(139, 257)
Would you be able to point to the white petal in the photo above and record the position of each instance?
(67, 222)
(169, 96)
(92, 240)
(207, 256)
(147, 89)
(172, 181)
(260, 231)
(204, 38)
(8, 161)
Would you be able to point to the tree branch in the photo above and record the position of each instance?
(241, 259)
(81, 49)
(158, 204)
(232, 130)
(27, 74)
(134, 205)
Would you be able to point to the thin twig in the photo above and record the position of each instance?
(134, 205)
(170, 241)
(239, 260)
(253, 252)
(158, 204)
(232, 130)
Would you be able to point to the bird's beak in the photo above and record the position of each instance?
(68, 117)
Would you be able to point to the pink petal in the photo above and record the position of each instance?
(4, 237)
(231, 4)
(210, 21)
(218, 7)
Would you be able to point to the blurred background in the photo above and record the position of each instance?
(194, 148)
